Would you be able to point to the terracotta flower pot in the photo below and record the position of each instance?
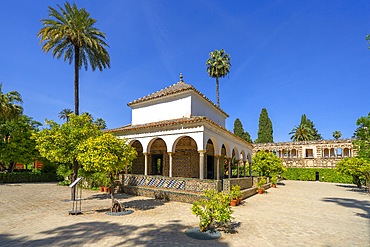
(260, 191)
(101, 188)
(273, 185)
(233, 202)
(240, 199)
(106, 189)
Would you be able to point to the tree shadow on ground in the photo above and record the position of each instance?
(143, 204)
(354, 188)
(352, 203)
(104, 196)
(111, 234)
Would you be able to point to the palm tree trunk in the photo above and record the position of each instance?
(74, 177)
(217, 93)
(77, 62)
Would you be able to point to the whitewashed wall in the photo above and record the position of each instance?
(175, 106)
(162, 109)
(201, 107)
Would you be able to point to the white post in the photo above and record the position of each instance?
(146, 164)
(217, 166)
(201, 164)
(170, 168)
(229, 161)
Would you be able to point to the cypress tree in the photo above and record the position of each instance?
(239, 131)
(315, 133)
(264, 128)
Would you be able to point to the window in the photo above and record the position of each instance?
(309, 153)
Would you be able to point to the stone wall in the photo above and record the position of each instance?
(310, 154)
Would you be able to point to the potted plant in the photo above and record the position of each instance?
(235, 195)
(106, 183)
(260, 185)
(99, 179)
(273, 181)
(213, 211)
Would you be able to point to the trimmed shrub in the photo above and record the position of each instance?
(309, 174)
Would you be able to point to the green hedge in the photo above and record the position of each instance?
(309, 174)
(26, 177)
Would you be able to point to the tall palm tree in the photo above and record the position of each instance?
(65, 114)
(337, 134)
(10, 104)
(100, 123)
(302, 132)
(218, 65)
(71, 32)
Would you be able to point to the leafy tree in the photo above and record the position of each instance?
(302, 132)
(356, 167)
(100, 123)
(89, 115)
(359, 166)
(337, 134)
(362, 135)
(16, 145)
(10, 104)
(213, 210)
(267, 164)
(71, 32)
(65, 114)
(218, 66)
(239, 131)
(368, 39)
(264, 128)
(108, 154)
(59, 143)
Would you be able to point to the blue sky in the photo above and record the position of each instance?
(290, 57)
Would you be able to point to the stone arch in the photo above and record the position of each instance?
(235, 157)
(326, 153)
(185, 158)
(294, 153)
(346, 152)
(210, 160)
(332, 152)
(138, 164)
(158, 163)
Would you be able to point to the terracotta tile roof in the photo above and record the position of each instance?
(167, 123)
(178, 87)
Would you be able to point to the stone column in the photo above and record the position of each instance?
(250, 168)
(229, 162)
(217, 167)
(237, 168)
(201, 164)
(146, 164)
(170, 165)
(245, 169)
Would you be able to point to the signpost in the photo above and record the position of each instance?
(76, 207)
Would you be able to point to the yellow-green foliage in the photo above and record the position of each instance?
(261, 183)
(214, 210)
(267, 164)
(355, 166)
(59, 143)
(235, 192)
(105, 153)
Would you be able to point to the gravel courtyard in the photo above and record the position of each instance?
(296, 213)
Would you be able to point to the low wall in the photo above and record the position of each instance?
(183, 189)
(163, 194)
